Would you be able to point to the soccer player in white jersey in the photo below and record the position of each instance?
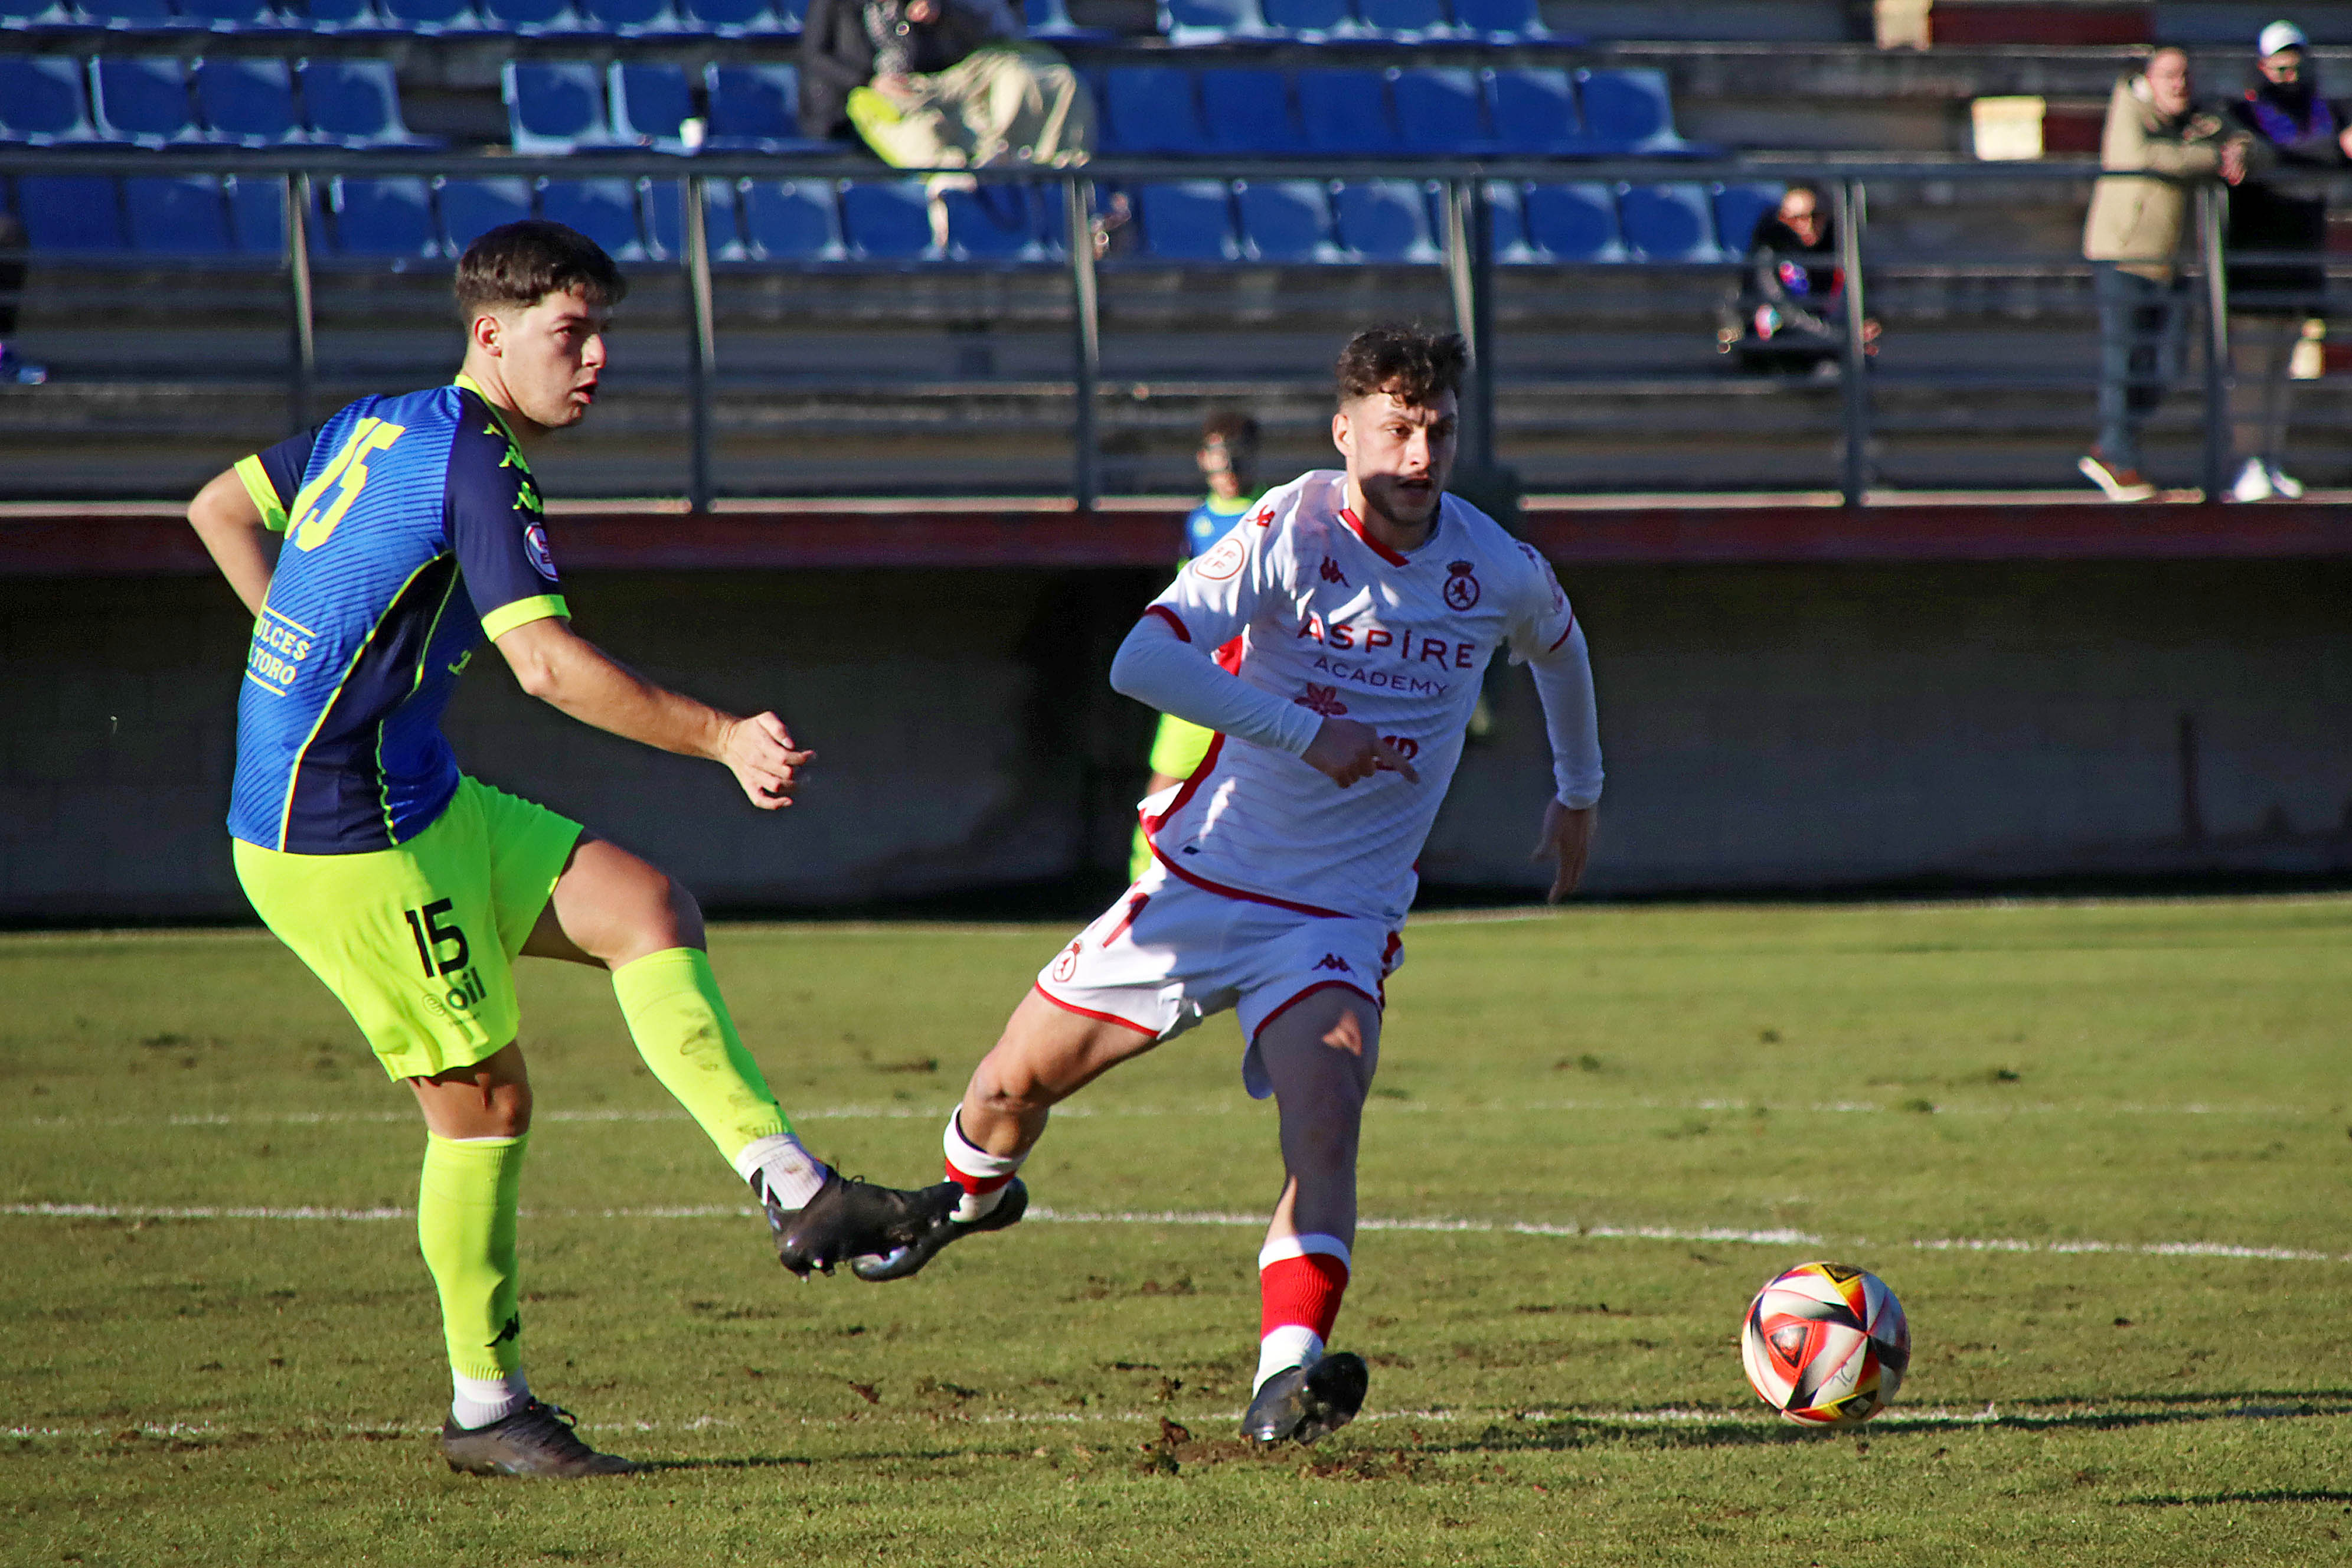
(1367, 605)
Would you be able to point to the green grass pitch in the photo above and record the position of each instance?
(2100, 1151)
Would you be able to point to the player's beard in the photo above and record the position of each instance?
(1405, 508)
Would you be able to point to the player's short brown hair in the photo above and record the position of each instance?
(1414, 366)
(516, 265)
(1233, 430)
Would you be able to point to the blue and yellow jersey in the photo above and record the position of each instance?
(413, 530)
(1210, 520)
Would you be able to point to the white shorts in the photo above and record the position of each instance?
(1168, 954)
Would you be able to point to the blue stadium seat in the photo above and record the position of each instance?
(732, 18)
(1573, 222)
(344, 17)
(1384, 221)
(355, 102)
(664, 204)
(1249, 110)
(1190, 23)
(1738, 211)
(886, 220)
(993, 223)
(756, 109)
(234, 17)
(1667, 223)
(177, 215)
(1187, 220)
(15, 13)
(42, 101)
(604, 210)
(247, 100)
(143, 99)
(789, 14)
(1406, 21)
(143, 15)
(391, 217)
(1051, 20)
(1311, 21)
(1534, 111)
(649, 103)
(471, 209)
(1500, 21)
(256, 214)
(430, 17)
(631, 18)
(1438, 111)
(1152, 108)
(1347, 111)
(791, 220)
(528, 18)
(70, 213)
(1284, 221)
(1507, 222)
(556, 106)
(1628, 111)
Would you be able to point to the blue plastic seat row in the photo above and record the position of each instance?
(403, 219)
(159, 101)
(522, 18)
(570, 106)
(1197, 22)
(1454, 109)
(1296, 222)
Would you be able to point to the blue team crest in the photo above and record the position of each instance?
(534, 545)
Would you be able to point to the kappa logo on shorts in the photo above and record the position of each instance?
(1067, 964)
(1461, 587)
(1333, 960)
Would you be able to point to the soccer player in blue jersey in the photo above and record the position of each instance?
(1228, 461)
(413, 530)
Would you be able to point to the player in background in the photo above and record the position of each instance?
(1228, 460)
(412, 530)
(1368, 604)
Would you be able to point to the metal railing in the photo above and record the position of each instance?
(1468, 254)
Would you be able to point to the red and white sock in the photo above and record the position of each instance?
(980, 1174)
(1300, 1280)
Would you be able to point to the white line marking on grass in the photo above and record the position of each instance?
(1721, 1235)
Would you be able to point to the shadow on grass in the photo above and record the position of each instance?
(2216, 1500)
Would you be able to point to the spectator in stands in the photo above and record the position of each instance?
(2282, 235)
(13, 368)
(1790, 314)
(2131, 239)
(939, 84)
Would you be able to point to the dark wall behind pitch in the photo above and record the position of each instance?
(1799, 726)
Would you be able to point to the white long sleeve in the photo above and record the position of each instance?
(1571, 719)
(1182, 678)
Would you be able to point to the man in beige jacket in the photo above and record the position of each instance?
(2130, 239)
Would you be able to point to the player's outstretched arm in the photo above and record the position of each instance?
(572, 675)
(1567, 843)
(1572, 725)
(225, 517)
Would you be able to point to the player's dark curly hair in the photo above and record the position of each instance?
(1416, 367)
(516, 265)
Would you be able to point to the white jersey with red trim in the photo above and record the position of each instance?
(1341, 625)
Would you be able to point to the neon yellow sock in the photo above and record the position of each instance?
(465, 1227)
(681, 1026)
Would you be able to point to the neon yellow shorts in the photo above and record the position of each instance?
(419, 941)
(1179, 747)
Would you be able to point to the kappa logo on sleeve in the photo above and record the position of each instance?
(534, 545)
(1225, 560)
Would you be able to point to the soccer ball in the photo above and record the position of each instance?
(1826, 1345)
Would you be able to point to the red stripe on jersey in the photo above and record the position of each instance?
(1348, 515)
(1303, 995)
(1175, 622)
(1566, 635)
(1243, 893)
(1191, 786)
(1090, 1012)
(1229, 657)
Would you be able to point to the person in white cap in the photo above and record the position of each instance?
(2276, 240)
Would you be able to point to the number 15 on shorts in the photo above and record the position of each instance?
(434, 931)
